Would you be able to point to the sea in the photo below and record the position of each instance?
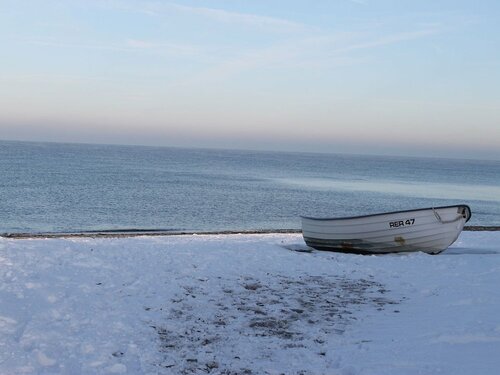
(62, 188)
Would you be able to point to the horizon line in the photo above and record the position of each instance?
(250, 149)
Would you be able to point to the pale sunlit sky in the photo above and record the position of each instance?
(357, 76)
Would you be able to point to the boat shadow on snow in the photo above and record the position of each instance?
(302, 248)
(469, 251)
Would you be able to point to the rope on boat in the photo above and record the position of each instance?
(445, 221)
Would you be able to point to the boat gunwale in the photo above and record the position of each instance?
(389, 213)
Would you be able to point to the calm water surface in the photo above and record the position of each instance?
(51, 187)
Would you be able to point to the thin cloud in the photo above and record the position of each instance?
(314, 52)
(129, 46)
(248, 19)
(172, 48)
(256, 21)
(51, 42)
(391, 39)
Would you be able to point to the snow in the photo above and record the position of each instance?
(246, 304)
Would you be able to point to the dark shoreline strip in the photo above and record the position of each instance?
(138, 233)
(481, 228)
(153, 232)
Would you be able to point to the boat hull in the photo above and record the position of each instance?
(430, 230)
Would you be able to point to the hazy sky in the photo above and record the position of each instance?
(363, 76)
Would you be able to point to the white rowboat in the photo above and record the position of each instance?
(430, 230)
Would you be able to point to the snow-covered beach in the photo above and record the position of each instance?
(246, 304)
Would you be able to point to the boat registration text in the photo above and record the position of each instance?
(401, 223)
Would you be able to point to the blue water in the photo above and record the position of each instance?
(51, 187)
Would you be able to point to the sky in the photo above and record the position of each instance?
(356, 76)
